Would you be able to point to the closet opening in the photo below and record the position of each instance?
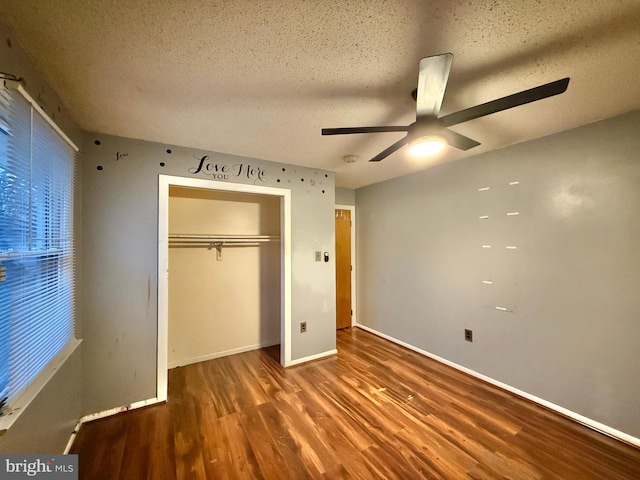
(223, 271)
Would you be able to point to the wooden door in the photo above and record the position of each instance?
(343, 268)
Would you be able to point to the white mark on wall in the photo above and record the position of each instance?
(498, 281)
(502, 309)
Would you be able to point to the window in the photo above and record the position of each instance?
(36, 243)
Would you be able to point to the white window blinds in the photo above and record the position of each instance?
(36, 243)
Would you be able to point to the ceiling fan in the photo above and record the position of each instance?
(429, 132)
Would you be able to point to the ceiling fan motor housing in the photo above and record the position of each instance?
(426, 127)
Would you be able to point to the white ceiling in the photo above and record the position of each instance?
(260, 78)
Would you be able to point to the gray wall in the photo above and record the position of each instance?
(570, 333)
(345, 196)
(46, 425)
(120, 211)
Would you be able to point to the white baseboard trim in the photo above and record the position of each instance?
(153, 401)
(226, 353)
(124, 408)
(72, 438)
(310, 358)
(108, 413)
(588, 422)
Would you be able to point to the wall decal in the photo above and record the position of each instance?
(209, 165)
(40, 99)
(250, 172)
(223, 171)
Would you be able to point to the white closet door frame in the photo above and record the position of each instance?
(164, 181)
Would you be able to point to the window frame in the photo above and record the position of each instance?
(19, 402)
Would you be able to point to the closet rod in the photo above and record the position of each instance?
(223, 238)
(219, 241)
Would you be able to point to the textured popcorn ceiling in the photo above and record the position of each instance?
(261, 78)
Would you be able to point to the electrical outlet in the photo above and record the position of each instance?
(468, 335)
(303, 327)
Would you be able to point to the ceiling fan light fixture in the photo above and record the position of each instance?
(432, 81)
(427, 145)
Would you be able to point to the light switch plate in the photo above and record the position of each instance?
(318, 256)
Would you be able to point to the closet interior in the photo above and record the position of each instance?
(225, 263)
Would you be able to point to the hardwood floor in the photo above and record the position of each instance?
(376, 410)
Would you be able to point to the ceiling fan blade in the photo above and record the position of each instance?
(432, 82)
(348, 130)
(388, 151)
(515, 100)
(459, 141)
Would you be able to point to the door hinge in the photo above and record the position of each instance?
(352, 313)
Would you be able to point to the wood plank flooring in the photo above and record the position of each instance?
(374, 411)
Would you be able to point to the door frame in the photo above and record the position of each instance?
(164, 182)
(352, 210)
